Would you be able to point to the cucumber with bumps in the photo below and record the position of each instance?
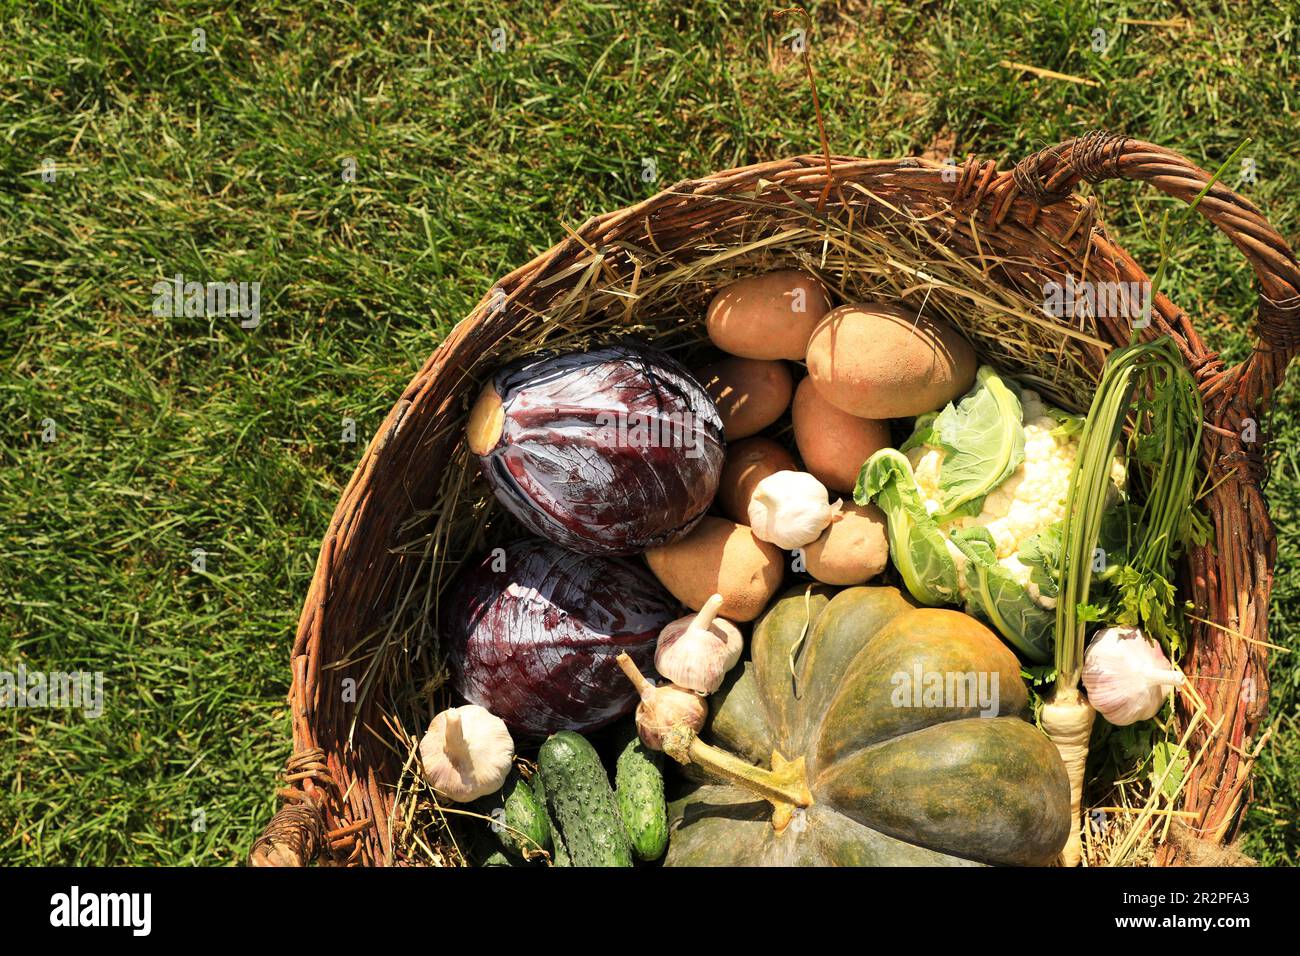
(500, 857)
(518, 818)
(559, 852)
(582, 802)
(639, 791)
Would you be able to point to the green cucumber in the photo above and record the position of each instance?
(582, 802)
(559, 852)
(518, 818)
(500, 857)
(639, 790)
(481, 848)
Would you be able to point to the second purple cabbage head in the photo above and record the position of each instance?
(533, 632)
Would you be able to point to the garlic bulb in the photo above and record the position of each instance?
(466, 753)
(790, 509)
(662, 708)
(696, 651)
(1127, 675)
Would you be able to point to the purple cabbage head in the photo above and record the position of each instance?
(532, 636)
(611, 451)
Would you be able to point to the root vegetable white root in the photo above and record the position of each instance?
(1067, 720)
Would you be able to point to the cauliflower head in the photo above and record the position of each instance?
(1025, 504)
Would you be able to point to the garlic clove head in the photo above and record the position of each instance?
(662, 708)
(1127, 675)
(696, 652)
(466, 753)
(790, 509)
(670, 706)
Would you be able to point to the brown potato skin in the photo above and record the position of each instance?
(853, 550)
(832, 443)
(750, 393)
(754, 317)
(720, 557)
(880, 360)
(749, 462)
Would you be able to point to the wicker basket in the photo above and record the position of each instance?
(1019, 229)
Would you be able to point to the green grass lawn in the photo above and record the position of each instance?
(227, 163)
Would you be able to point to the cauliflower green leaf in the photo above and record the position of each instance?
(922, 433)
(915, 542)
(983, 439)
(995, 594)
(1068, 425)
(1041, 553)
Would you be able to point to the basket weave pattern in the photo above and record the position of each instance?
(342, 775)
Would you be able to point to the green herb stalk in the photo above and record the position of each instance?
(1149, 382)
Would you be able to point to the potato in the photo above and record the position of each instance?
(833, 444)
(884, 361)
(768, 316)
(750, 393)
(720, 557)
(853, 550)
(749, 462)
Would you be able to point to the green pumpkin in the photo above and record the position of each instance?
(834, 761)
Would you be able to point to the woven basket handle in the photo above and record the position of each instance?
(1049, 175)
(296, 834)
(292, 838)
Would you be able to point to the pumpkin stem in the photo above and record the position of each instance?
(785, 786)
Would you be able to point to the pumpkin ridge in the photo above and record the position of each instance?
(964, 785)
(921, 642)
(849, 754)
(773, 637)
(923, 844)
(853, 604)
(832, 689)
